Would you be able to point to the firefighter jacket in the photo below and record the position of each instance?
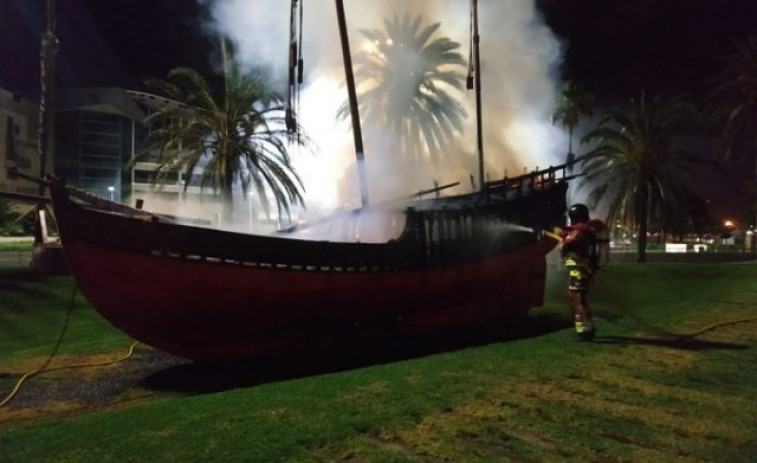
(584, 243)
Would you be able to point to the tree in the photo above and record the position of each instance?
(573, 102)
(733, 109)
(9, 219)
(637, 167)
(19, 218)
(404, 76)
(237, 136)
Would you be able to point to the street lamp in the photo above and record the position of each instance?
(111, 189)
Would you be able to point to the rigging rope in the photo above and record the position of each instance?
(295, 55)
(300, 61)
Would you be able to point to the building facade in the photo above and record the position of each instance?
(18, 142)
(98, 145)
(96, 136)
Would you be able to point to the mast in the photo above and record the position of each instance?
(477, 76)
(356, 129)
(295, 66)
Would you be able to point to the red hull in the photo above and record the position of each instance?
(214, 295)
(219, 311)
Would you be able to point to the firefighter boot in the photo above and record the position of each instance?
(581, 315)
(584, 330)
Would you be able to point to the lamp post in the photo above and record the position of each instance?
(111, 189)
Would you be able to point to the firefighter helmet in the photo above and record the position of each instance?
(578, 213)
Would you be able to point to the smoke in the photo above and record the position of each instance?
(519, 58)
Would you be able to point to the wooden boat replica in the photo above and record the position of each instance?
(207, 294)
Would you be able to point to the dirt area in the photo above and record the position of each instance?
(61, 391)
(150, 372)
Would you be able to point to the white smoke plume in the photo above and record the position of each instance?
(519, 58)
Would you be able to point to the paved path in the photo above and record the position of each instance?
(15, 258)
(15, 239)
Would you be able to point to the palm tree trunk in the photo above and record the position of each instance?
(642, 218)
(227, 199)
(227, 208)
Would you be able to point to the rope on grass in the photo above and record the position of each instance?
(45, 366)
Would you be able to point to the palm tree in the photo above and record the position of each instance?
(733, 108)
(636, 166)
(404, 76)
(234, 136)
(572, 103)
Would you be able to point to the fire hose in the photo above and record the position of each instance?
(624, 310)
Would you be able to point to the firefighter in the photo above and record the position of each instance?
(582, 248)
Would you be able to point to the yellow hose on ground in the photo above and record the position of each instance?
(64, 367)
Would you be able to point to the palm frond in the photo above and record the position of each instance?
(732, 105)
(238, 137)
(403, 85)
(635, 165)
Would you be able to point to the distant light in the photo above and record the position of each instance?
(728, 223)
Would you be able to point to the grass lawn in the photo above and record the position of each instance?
(21, 244)
(530, 394)
(33, 310)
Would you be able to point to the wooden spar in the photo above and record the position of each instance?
(23, 197)
(356, 129)
(477, 75)
(326, 219)
(436, 189)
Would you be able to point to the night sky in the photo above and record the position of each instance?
(615, 48)
(103, 42)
